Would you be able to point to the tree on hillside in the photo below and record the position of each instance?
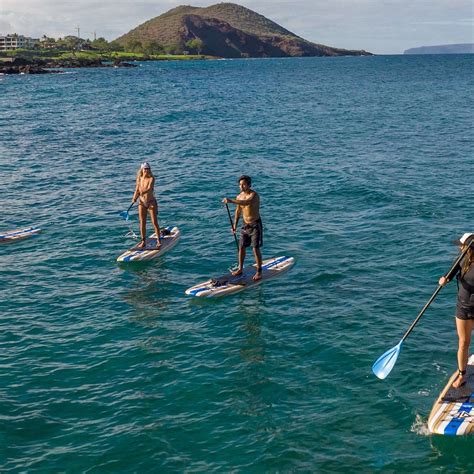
(115, 46)
(195, 44)
(173, 49)
(69, 42)
(153, 47)
(101, 43)
(134, 46)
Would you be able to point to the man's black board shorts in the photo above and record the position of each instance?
(252, 234)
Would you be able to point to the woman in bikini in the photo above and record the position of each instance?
(465, 304)
(144, 191)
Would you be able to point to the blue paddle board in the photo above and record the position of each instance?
(169, 238)
(19, 234)
(228, 284)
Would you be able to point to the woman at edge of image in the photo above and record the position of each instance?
(144, 190)
(464, 305)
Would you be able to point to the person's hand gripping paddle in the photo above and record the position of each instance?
(385, 363)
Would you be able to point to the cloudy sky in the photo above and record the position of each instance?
(379, 26)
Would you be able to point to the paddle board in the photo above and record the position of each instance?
(20, 234)
(228, 284)
(169, 238)
(453, 412)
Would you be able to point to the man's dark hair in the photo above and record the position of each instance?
(246, 178)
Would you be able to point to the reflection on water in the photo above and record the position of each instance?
(148, 293)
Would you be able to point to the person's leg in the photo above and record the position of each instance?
(244, 242)
(154, 220)
(464, 328)
(142, 217)
(258, 260)
(257, 242)
(242, 254)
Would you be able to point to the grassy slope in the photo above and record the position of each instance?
(103, 55)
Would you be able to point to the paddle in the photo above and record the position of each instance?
(233, 267)
(384, 364)
(232, 225)
(124, 214)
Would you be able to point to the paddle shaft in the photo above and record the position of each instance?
(232, 225)
(433, 296)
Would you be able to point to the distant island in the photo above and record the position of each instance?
(225, 30)
(465, 48)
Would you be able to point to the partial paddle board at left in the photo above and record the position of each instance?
(453, 411)
(169, 238)
(20, 234)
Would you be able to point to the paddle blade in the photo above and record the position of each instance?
(384, 364)
(124, 215)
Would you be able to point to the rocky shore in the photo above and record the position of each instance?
(47, 66)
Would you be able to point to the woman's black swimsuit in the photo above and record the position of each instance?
(465, 300)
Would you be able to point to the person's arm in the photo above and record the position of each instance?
(150, 186)
(136, 193)
(447, 278)
(243, 202)
(238, 212)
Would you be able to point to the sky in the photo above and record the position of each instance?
(378, 26)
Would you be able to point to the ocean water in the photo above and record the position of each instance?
(364, 167)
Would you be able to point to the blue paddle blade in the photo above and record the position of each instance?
(124, 215)
(384, 364)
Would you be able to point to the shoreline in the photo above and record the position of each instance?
(31, 62)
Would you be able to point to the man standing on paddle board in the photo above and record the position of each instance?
(465, 304)
(251, 233)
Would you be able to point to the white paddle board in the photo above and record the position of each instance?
(169, 238)
(228, 284)
(20, 234)
(453, 412)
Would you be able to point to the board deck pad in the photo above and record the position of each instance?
(228, 284)
(453, 412)
(19, 234)
(170, 237)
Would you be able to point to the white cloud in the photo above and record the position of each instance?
(387, 26)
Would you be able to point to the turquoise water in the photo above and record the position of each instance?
(364, 170)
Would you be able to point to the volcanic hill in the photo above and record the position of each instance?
(227, 30)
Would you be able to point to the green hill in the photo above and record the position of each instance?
(227, 30)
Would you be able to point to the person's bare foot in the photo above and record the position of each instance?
(237, 272)
(141, 244)
(459, 382)
(158, 245)
(257, 276)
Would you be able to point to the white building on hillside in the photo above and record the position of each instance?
(15, 41)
